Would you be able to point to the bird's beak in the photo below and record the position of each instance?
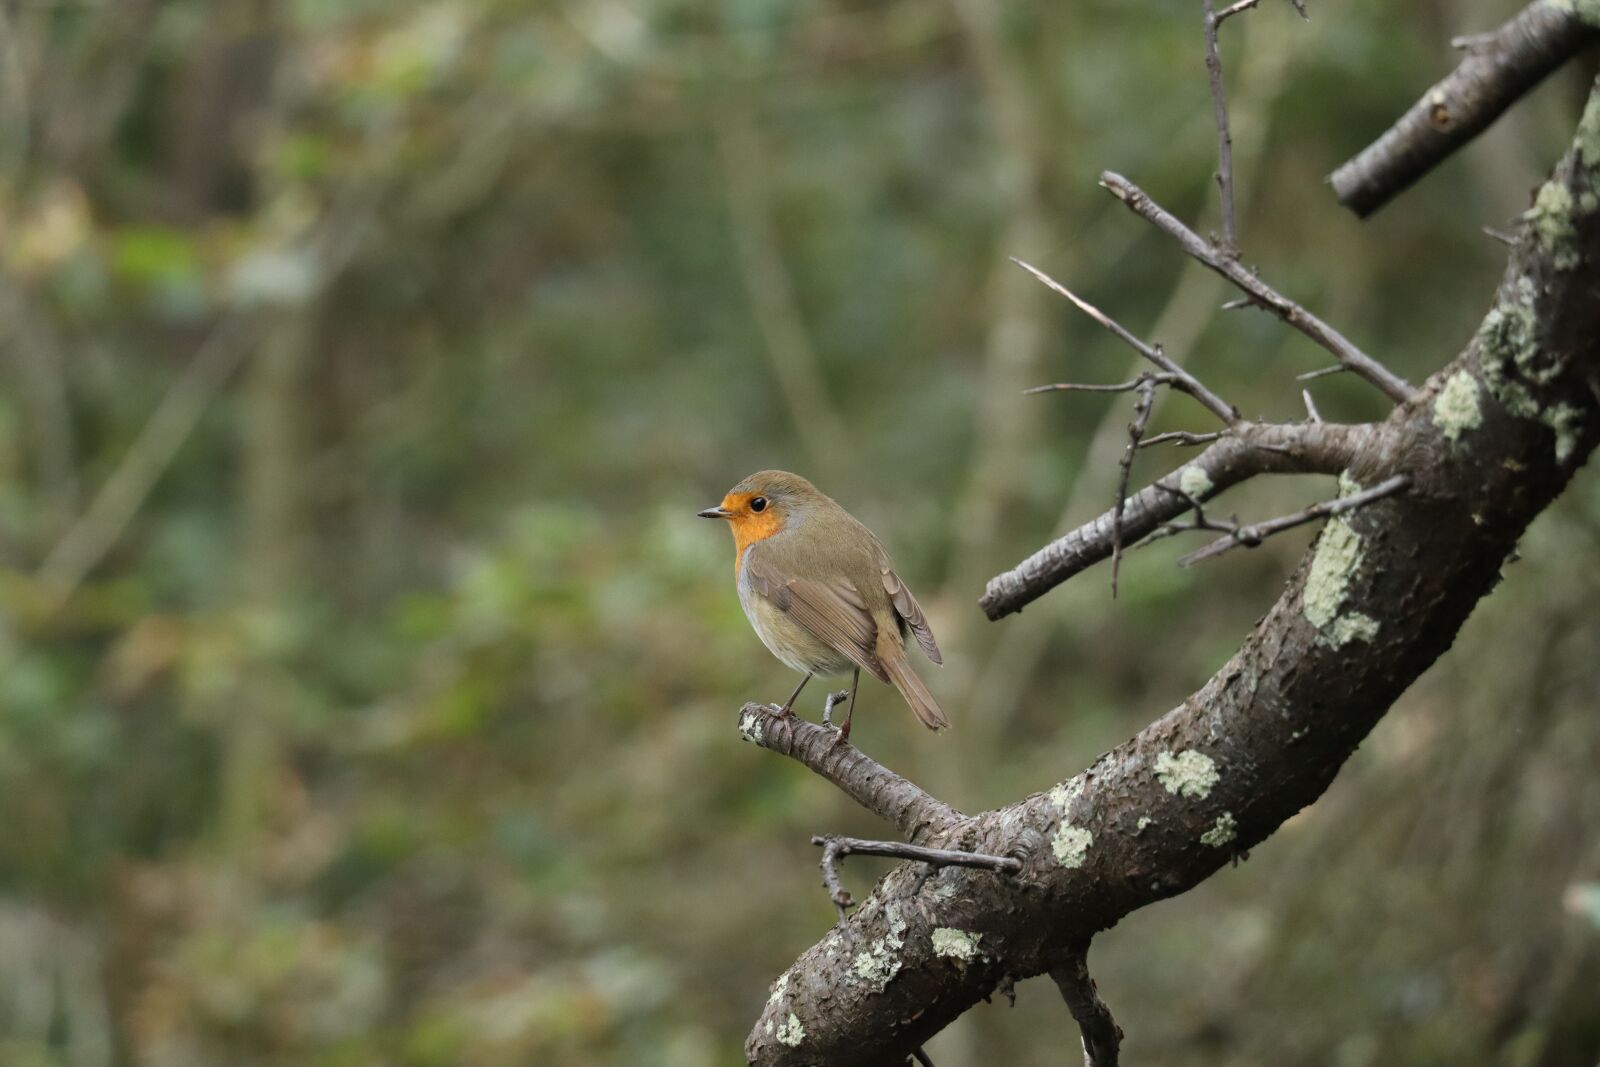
(718, 512)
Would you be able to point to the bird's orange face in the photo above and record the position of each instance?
(752, 516)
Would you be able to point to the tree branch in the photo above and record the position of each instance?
(892, 798)
(1172, 373)
(1492, 439)
(1251, 449)
(1498, 70)
(1252, 535)
(1102, 1037)
(1259, 292)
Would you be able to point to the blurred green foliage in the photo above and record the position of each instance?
(367, 686)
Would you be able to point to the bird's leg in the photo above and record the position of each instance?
(833, 701)
(844, 731)
(788, 705)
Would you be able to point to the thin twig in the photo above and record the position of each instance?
(1141, 420)
(1311, 406)
(1508, 239)
(836, 848)
(1117, 387)
(1321, 372)
(1182, 379)
(937, 857)
(1199, 523)
(1182, 437)
(832, 853)
(1394, 386)
(1234, 9)
(922, 1057)
(1252, 535)
(1102, 1037)
(1219, 102)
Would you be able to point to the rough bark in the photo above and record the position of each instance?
(1488, 443)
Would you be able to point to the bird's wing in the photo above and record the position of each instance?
(834, 612)
(906, 606)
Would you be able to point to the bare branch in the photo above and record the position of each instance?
(1182, 437)
(1251, 449)
(832, 856)
(897, 800)
(1345, 351)
(1498, 69)
(1311, 406)
(1252, 535)
(1116, 387)
(1102, 1037)
(835, 849)
(1219, 104)
(1182, 379)
(1322, 372)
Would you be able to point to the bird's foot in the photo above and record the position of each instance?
(843, 734)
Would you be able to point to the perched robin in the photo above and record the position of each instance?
(820, 591)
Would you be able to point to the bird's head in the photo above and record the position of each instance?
(764, 503)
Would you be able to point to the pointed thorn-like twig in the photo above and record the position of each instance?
(1182, 379)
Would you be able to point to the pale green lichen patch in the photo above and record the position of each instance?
(1551, 219)
(1348, 486)
(1510, 357)
(1508, 351)
(1071, 845)
(875, 965)
(1220, 834)
(1337, 559)
(1140, 826)
(897, 926)
(750, 727)
(1194, 482)
(779, 988)
(791, 1033)
(1351, 627)
(956, 944)
(1189, 773)
(1455, 409)
(1065, 793)
(1567, 422)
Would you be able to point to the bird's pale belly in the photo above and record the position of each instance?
(792, 643)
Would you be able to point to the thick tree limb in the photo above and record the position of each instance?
(1490, 441)
(1250, 449)
(1259, 292)
(1499, 68)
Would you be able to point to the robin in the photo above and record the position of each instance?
(821, 593)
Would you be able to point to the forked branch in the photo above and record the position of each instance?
(1259, 292)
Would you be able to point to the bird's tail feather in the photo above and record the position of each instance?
(911, 687)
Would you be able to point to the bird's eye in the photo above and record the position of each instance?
(758, 504)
